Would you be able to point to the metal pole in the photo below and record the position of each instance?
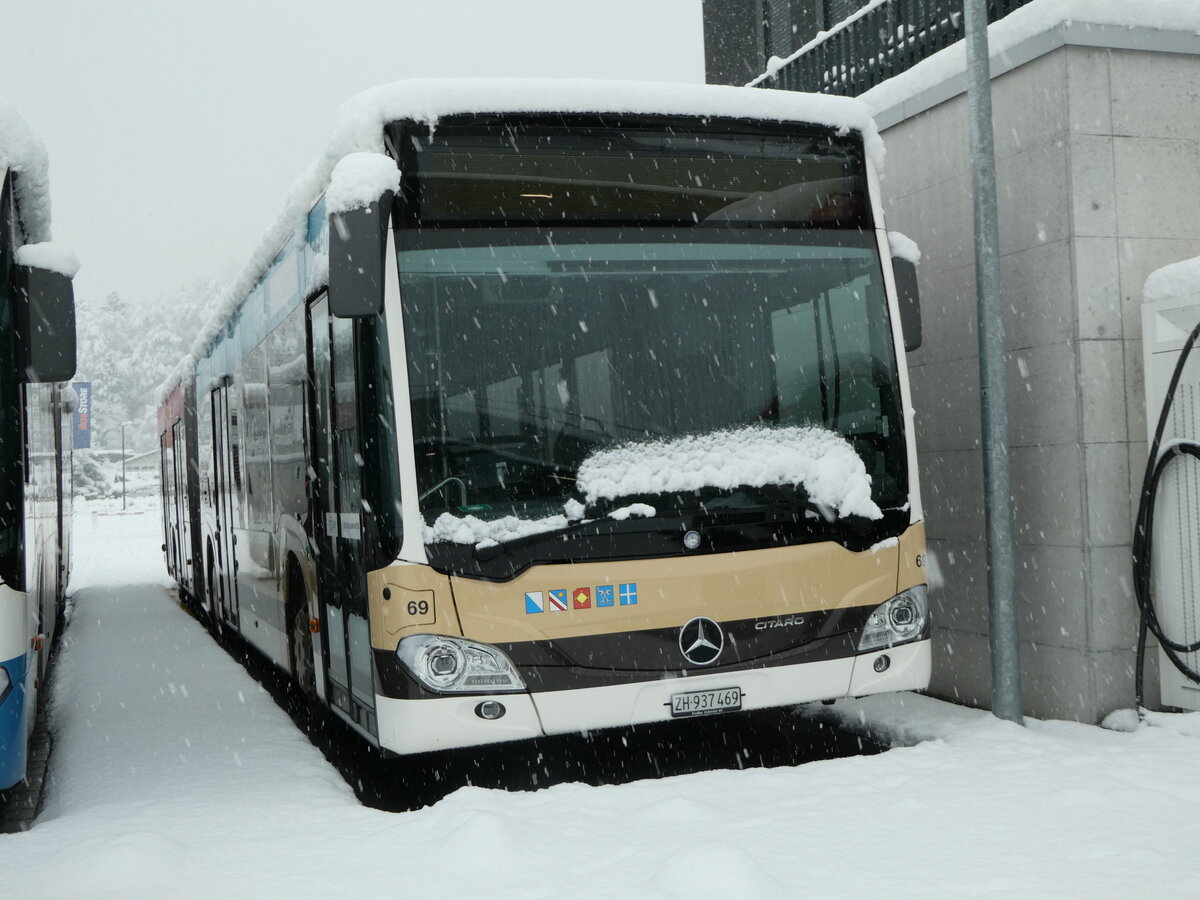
(122, 467)
(1004, 638)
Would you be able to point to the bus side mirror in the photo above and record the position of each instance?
(45, 324)
(356, 259)
(909, 298)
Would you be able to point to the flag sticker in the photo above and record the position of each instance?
(602, 596)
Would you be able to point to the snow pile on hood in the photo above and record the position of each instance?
(486, 532)
(1176, 281)
(634, 510)
(23, 151)
(360, 179)
(46, 255)
(819, 460)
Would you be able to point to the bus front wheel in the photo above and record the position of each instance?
(302, 637)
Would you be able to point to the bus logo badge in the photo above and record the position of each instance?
(628, 594)
(701, 641)
(583, 598)
(604, 595)
(558, 600)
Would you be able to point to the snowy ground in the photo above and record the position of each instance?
(175, 775)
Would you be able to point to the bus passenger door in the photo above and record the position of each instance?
(224, 487)
(335, 463)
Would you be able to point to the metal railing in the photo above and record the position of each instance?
(881, 43)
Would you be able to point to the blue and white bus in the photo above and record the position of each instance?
(552, 406)
(37, 355)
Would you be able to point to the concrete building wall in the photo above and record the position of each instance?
(1098, 155)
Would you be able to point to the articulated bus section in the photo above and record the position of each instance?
(596, 415)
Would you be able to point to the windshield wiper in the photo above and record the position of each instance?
(719, 501)
(716, 508)
(793, 499)
(493, 549)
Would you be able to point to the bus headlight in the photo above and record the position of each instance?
(449, 664)
(5, 683)
(901, 619)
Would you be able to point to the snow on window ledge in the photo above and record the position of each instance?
(904, 247)
(52, 257)
(360, 179)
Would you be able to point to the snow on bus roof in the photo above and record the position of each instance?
(430, 100)
(23, 151)
(360, 122)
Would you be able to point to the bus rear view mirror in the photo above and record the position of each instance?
(45, 320)
(356, 247)
(910, 301)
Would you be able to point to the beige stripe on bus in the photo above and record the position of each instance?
(723, 586)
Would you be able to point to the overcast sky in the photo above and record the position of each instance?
(176, 128)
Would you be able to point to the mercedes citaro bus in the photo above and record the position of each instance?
(555, 406)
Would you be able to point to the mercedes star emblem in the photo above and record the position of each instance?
(701, 641)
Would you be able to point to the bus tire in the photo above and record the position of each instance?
(301, 640)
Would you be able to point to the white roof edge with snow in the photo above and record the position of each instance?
(430, 100)
(1178, 281)
(360, 121)
(1033, 31)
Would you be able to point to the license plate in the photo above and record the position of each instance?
(706, 703)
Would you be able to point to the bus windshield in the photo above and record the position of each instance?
(532, 351)
(578, 289)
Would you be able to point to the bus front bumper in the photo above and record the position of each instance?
(417, 726)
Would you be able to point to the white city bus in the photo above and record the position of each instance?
(37, 352)
(567, 405)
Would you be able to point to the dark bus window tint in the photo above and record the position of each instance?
(476, 171)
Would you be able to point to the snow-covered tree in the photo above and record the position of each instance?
(126, 350)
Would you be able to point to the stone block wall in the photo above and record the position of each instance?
(1098, 158)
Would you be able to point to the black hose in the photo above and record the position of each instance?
(1143, 537)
